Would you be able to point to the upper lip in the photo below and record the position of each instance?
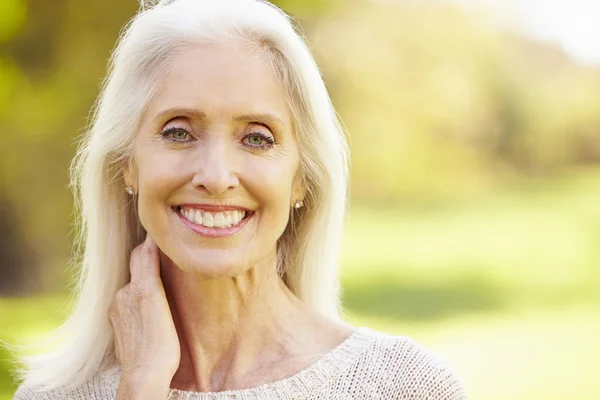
(213, 207)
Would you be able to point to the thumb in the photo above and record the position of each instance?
(144, 264)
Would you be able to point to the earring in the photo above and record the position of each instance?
(298, 204)
(129, 190)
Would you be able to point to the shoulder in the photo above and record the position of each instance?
(398, 367)
(101, 387)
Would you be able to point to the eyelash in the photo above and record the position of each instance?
(270, 142)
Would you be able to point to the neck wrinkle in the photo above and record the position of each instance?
(228, 325)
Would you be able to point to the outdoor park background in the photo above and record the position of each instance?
(475, 218)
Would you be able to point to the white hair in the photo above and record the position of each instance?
(109, 229)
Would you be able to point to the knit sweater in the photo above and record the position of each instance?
(368, 365)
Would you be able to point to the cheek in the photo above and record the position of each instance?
(160, 171)
(270, 182)
(158, 177)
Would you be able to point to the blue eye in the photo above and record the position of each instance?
(259, 140)
(175, 134)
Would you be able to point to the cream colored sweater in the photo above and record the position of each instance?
(368, 365)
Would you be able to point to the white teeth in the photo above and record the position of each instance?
(219, 219)
(208, 220)
(223, 219)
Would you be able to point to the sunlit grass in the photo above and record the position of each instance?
(545, 236)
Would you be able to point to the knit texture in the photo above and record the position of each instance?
(368, 365)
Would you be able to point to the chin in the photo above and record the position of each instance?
(213, 266)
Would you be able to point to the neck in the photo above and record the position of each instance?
(228, 325)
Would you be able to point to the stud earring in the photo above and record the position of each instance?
(129, 190)
(298, 204)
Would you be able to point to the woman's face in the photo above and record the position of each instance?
(217, 133)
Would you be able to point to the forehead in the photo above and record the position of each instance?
(220, 81)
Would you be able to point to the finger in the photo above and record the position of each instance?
(118, 352)
(152, 268)
(114, 323)
(113, 317)
(145, 264)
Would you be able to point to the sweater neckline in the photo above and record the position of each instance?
(302, 383)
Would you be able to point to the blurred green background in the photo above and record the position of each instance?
(474, 224)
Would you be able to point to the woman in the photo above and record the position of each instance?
(212, 188)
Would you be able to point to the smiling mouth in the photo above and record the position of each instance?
(211, 219)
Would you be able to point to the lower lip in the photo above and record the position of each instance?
(213, 232)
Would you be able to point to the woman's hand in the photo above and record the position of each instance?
(146, 342)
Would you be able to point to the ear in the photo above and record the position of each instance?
(130, 174)
(298, 188)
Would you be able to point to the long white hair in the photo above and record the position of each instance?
(109, 229)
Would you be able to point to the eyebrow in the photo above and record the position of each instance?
(172, 112)
(260, 117)
(264, 118)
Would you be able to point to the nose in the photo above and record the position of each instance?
(215, 169)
